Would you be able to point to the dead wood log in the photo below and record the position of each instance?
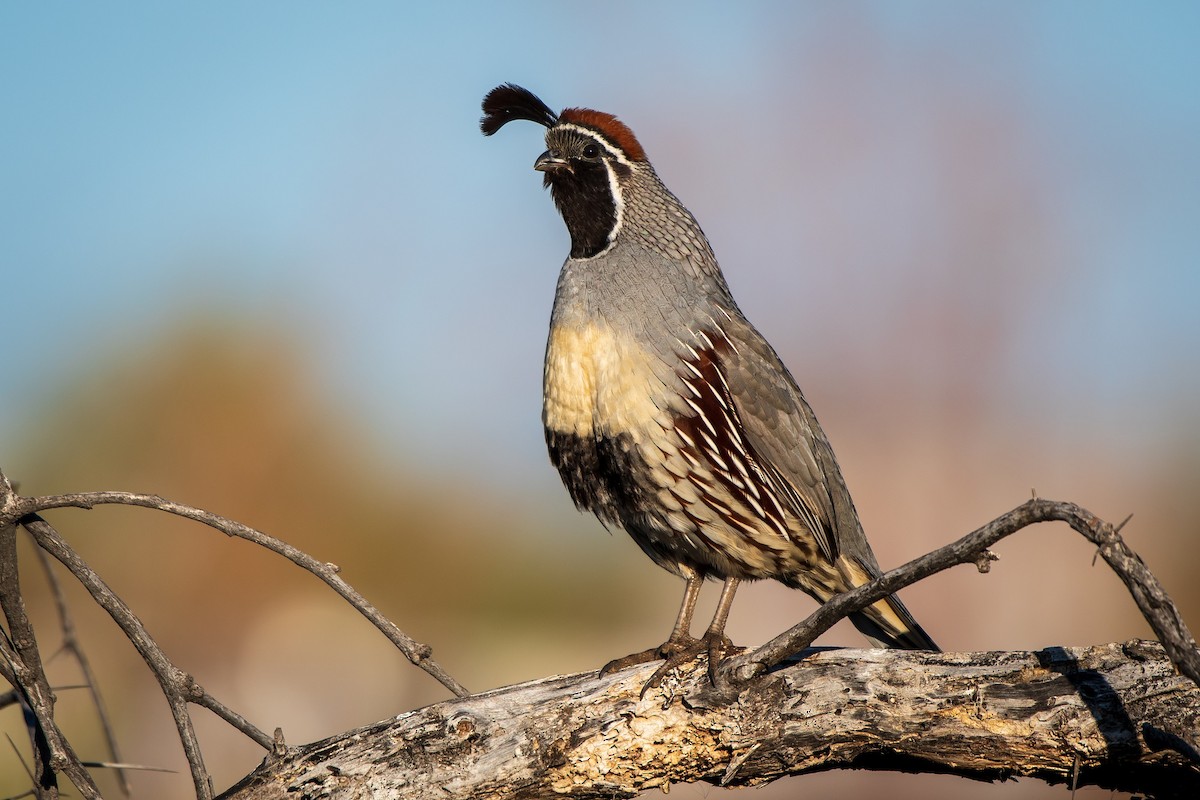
(1116, 716)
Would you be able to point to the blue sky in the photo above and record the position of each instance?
(320, 165)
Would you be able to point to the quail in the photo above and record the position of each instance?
(666, 412)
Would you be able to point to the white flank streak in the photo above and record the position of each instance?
(734, 430)
(686, 439)
(713, 453)
(733, 478)
(775, 502)
(702, 416)
(748, 527)
(741, 467)
(717, 505)
(720, 398)
(758, 509)
(721, 331)
(721, 377)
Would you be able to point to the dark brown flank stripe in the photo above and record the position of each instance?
(723, 463)
(607, 476)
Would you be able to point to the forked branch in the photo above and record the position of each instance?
(1112, 715)
(419, 654)
(21, 664)
(1156, 606)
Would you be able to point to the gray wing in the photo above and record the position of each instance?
(793, 451)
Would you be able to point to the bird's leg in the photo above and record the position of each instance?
(714, 642)
(717, 642)
(681, 637)
(681, 634)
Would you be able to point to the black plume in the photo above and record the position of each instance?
(508, 102)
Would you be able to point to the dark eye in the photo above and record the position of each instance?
(591, 151)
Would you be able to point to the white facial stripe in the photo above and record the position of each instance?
(614, 185)
(618, 201)
(612, 149)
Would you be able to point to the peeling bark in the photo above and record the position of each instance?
(1117, 716)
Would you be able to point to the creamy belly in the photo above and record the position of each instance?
(599, 382)
(612, 426)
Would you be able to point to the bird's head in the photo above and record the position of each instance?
(589, 159)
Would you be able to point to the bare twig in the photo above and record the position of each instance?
(30, 681)
(179, 687)
(23, 668)
(52, 752)
(25, 766)
(1147, 592)
(72, 646)
(116, 765)
(741, 758)
(416, 652)
(175, 683)
(197, 695)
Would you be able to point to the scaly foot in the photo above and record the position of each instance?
(666, 650)
(714, 644)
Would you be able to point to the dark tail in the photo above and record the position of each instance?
(889, 624)
(886, 622)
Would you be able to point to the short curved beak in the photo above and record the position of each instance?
(552, 161)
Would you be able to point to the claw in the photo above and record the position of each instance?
(666, 650)
(715, 645)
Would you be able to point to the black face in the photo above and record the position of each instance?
(583, 189)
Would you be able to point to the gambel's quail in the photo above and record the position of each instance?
(666, 412)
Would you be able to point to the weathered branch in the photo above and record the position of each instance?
(23, 668)
(419, 654)
(72, 646)
(1156, 606)
(1114, 715)
(177, 686)
(1119, 714)
(51, 749)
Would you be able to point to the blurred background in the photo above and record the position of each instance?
(259, 259)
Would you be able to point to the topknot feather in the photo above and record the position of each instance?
(508, 102)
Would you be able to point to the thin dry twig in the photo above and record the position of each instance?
(1148, 593)
(25, 766)
(417, 653)
(120, 765)
(23, 668)
(72, 646)
(177, 686)
(181, 689)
